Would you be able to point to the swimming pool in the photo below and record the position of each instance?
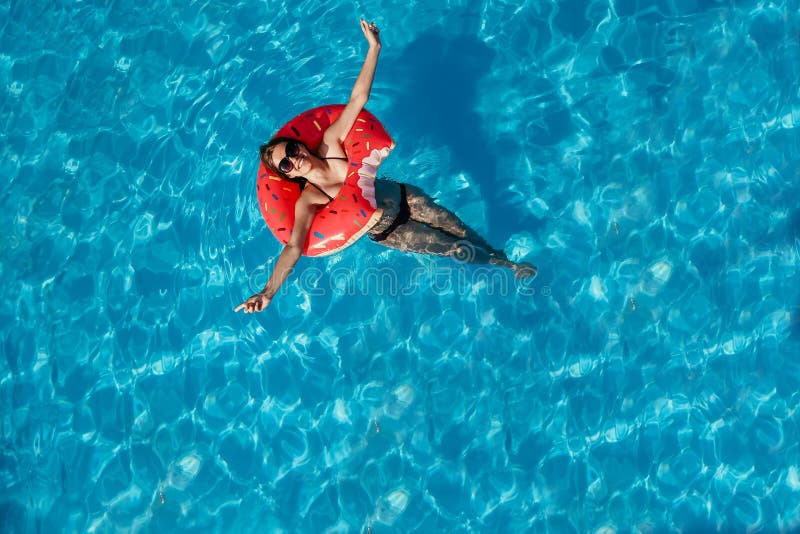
(643, 155)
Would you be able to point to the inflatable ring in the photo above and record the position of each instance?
(353, 211)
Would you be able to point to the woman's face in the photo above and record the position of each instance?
(291, 158)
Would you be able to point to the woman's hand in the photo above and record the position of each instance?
(256, 303)
(372, 33)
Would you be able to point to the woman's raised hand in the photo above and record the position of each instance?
(371, 32)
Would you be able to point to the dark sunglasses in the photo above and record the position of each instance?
(292, 150)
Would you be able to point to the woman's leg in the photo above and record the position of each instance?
(414, 236)
(432, 229)
(425, 210)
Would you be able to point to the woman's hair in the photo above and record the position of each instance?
(266, 157)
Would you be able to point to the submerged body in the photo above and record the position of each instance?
(425, 227)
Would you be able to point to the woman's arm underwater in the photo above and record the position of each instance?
(304, 212)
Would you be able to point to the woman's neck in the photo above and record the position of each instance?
(322, 172)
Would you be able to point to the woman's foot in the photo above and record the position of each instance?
(523, 270)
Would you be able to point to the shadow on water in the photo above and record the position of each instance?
(437, 80)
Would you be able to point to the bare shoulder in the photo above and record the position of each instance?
(330, 147)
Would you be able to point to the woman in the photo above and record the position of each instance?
(410, 221)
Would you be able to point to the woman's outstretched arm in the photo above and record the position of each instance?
(304, 212)
(336, 132)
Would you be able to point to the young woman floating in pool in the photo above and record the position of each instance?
(406, 218)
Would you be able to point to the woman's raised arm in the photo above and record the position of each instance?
(336, 132)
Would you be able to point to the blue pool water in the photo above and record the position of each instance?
(643, 155)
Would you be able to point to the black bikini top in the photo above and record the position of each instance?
(307, 181)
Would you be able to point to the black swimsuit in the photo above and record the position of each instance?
(330, 198)
(403, 215)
